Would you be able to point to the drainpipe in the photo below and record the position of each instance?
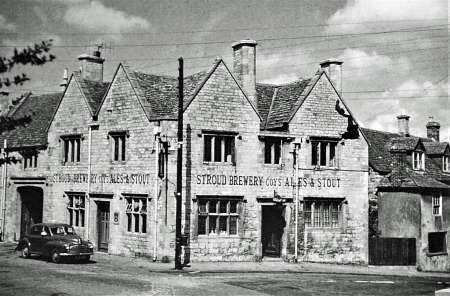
(88, 202)
(155, 230)
(296, 200)
(5, 181)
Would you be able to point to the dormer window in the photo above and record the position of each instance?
(418, 160)
(446, 163)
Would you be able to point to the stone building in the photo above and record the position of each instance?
(410, 180)
(106, 163)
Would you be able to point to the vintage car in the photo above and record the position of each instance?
(55, 241)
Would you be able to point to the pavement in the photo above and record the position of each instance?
(265, 275)
(271, 265)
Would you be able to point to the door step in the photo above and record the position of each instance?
(272, 259)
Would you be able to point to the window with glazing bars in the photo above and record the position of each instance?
(29, 160)
(418, 160)
(219, 148)
(272, 150)
(72, 149)
(446, 163)
(437, 204)
(136, 212)
(323, 153)
(218, 216)
(323, 213)
(76, 208)
(118, 146)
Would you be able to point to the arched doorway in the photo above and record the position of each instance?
(31, 200)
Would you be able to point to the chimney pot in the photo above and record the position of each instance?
(403, 125)
(244, 66)
(333, 68)
(433, 130)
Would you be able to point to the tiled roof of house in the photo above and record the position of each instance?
(381, 159)
(435, 148)
(41, 109)
(159, 94)
(276, 103)
(92, 90)
(405, 177)
(404, 143)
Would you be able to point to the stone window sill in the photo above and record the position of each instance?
(437, 254)
(217, 236)
(212, 163)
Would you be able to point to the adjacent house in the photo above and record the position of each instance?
(410, 180)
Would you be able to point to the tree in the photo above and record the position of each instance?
(36, 55)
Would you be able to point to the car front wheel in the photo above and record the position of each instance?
(25, 252)
(55, 256)
(85, 259)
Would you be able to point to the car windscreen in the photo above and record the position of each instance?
(58, 230)
(69, 229)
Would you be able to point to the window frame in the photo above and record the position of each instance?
(436, 203)
(443, 250)
(218, 216)
(316, 153)
(273, 141)
(222, 136)
(69, 143)
(118, 146)
(418, 165)
(320, 219)
(131, 214)
(446, 163)
(76, 212)
(30, 160)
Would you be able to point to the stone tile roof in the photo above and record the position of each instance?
(41, 109)
(93, 91)
(436, 148)
(159, 94)
(277, 103)
(404, 143)
(381, 159)
(405, 177)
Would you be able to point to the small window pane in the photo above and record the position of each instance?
(323, 153)
(233, 225)
(207, 148)
(202, 224)
(223, 206)
(222, 224)
(213, 206)
(212, 224)
(233, 206)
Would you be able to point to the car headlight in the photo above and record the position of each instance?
(91, 245)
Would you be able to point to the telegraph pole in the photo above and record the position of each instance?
(179, 168)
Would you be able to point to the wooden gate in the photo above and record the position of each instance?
(392, 251)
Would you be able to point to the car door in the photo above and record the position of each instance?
(44, 239)
(34, 238)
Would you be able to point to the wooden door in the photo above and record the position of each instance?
(273, 224)
(103, 226)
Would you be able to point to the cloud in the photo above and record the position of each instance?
(96, 17)
(426, 99)
(361, 63)
(357, 11)
(5, 25)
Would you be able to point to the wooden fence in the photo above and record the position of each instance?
(392, 251)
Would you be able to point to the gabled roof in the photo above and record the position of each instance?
(436, 148)
(284, 98)
(405, 177)
(158, 94)
(93, 91)
(382, 160)
(406, 144)
(41, 109)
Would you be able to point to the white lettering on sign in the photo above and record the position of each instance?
(240, 180)
(123, 178)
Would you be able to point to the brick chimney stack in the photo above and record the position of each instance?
(333, 68)
(244, 66)
(433, 130)
(403, 125)
(92, 66)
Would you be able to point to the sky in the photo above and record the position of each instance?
(395, 52)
